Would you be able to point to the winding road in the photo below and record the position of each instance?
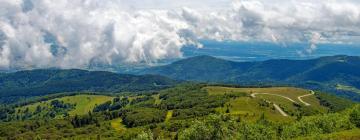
(254, 95)
(279, 108)
(307, 104)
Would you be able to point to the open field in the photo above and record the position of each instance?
(83, 103)
(290, 92)
(284, 97)
(117, 125)
(169, 115)
(250, 109)
(157, 99)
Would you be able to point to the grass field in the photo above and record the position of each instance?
(290, 92)
(84, 103)
(250, 109)
(249, 106)
(288, 105)
(168, 115)
(117, 125)
(157, 99)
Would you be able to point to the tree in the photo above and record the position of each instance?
(227, 110)
(145, 135)
(355, 116)
(38, 109)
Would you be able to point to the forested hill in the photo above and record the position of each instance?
(324, 73)
(46, 81)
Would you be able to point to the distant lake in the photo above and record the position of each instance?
(258, 51)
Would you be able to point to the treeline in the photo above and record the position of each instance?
(49, 81)
(119, 103)
(189, 96)
(5, 112)
(79, 121)
(32, 100)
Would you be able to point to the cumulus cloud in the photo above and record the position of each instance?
(80, 33)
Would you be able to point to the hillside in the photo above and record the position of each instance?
(319, 74)
(187, 111)
(47, 81)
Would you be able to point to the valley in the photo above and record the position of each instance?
(179, 70)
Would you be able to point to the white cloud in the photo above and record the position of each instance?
(78, 33)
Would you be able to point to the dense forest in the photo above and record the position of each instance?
(24, 84)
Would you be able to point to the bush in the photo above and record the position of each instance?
(355, 116)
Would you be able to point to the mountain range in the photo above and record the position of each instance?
(323, 73)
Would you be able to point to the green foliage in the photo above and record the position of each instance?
(194, 115)
(50, 81)
(5, 112)
(102, 107)
(79, 121)
(57, 104)
(192, 112)
(116, 104)
(189, 96)
(355, 116)
(333, 102)
(142, 116)
(213, 127)
(145, 135)
(318, 73)
(317, 125)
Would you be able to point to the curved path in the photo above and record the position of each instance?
(275, 105)
(307, 104)
(278, 108)
(254, 95)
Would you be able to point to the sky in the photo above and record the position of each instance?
(79, 33)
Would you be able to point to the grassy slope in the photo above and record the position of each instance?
(290, 92)
(84, 103)
(249, 107)
(245, 106)
(169, 115)
(117, 125)
(157, 99)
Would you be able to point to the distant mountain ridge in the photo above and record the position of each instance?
(48, 81)
(322, 73)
